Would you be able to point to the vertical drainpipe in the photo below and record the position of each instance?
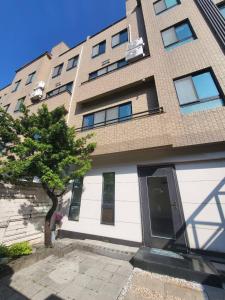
(74, 84)
(130, 35)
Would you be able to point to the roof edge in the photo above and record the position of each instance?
(4, 87)
(30, 62)
(105, 28)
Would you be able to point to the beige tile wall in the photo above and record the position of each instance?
(170, 128)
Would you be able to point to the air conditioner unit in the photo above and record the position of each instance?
(135, 44)
(135, 53)
(36, 94)
(40, 85)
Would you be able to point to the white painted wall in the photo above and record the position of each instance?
(202, 189)
(127, 205)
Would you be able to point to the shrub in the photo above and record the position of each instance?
(19, 249)
(4, 251)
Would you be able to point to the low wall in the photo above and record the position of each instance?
(22, 213)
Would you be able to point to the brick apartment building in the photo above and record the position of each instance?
(151, 88)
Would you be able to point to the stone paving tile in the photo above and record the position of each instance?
(82, 280)
(44, 294)
(111, 268)
(95, 285)
(104, 275)
(71, 292)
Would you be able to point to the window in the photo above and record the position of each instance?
(198, 92)
(120, 38)
(98, 49)
(108, 199)
(163, 5)
(30, 78)
(67, 87)
(72, 63)
(178, 35)
(117, 65)
(17, 83)
(74, 211)
(6, 107)
(115, 114)
(222, 9)
(57, 70)
(19, 105)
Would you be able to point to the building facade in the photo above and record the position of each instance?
(151, 88)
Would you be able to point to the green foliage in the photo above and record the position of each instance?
(19, 249)
(15, 250)
(4, 251)
(46, 148)
(8, 132)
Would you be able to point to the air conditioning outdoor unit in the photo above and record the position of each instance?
(36, 94)
(135, 53)
(136, 43)
(40, 85)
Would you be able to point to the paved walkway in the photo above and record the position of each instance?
(82, 275)
(78, 275)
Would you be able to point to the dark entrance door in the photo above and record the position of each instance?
(162, 215)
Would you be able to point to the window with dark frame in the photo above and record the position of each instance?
(57, 71)
(16, 86)
(108, 199)
(30, 78)
(117, 65)
(198, 91)
(111, 115)
(98, 49)
(72, 62)
(66, 87)
(74, 212)
(19, 104)
(163, 5)
(178, 35)
(221, 7)
(120, 38)
(6, 107)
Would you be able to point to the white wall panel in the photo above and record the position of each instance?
(202, 189)
(127, 205)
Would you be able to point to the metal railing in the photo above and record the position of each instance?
(158, 110)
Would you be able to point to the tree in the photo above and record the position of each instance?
(42, 145)
(8, 132)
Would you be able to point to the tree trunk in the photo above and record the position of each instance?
(47, 234)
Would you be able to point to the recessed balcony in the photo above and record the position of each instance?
(140, 131)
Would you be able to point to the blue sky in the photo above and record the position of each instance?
(31, 27)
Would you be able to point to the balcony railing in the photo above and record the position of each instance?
(158, 110)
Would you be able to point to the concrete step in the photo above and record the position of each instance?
(102, 248)
(189, 267)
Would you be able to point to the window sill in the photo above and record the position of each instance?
(180, 43)
(97, 55)
(56, 76)
(71, 68)
(119, 44)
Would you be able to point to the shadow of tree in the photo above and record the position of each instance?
(216, 239)
(22, 212)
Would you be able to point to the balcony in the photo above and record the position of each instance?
(140, 131)
(116, 80)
